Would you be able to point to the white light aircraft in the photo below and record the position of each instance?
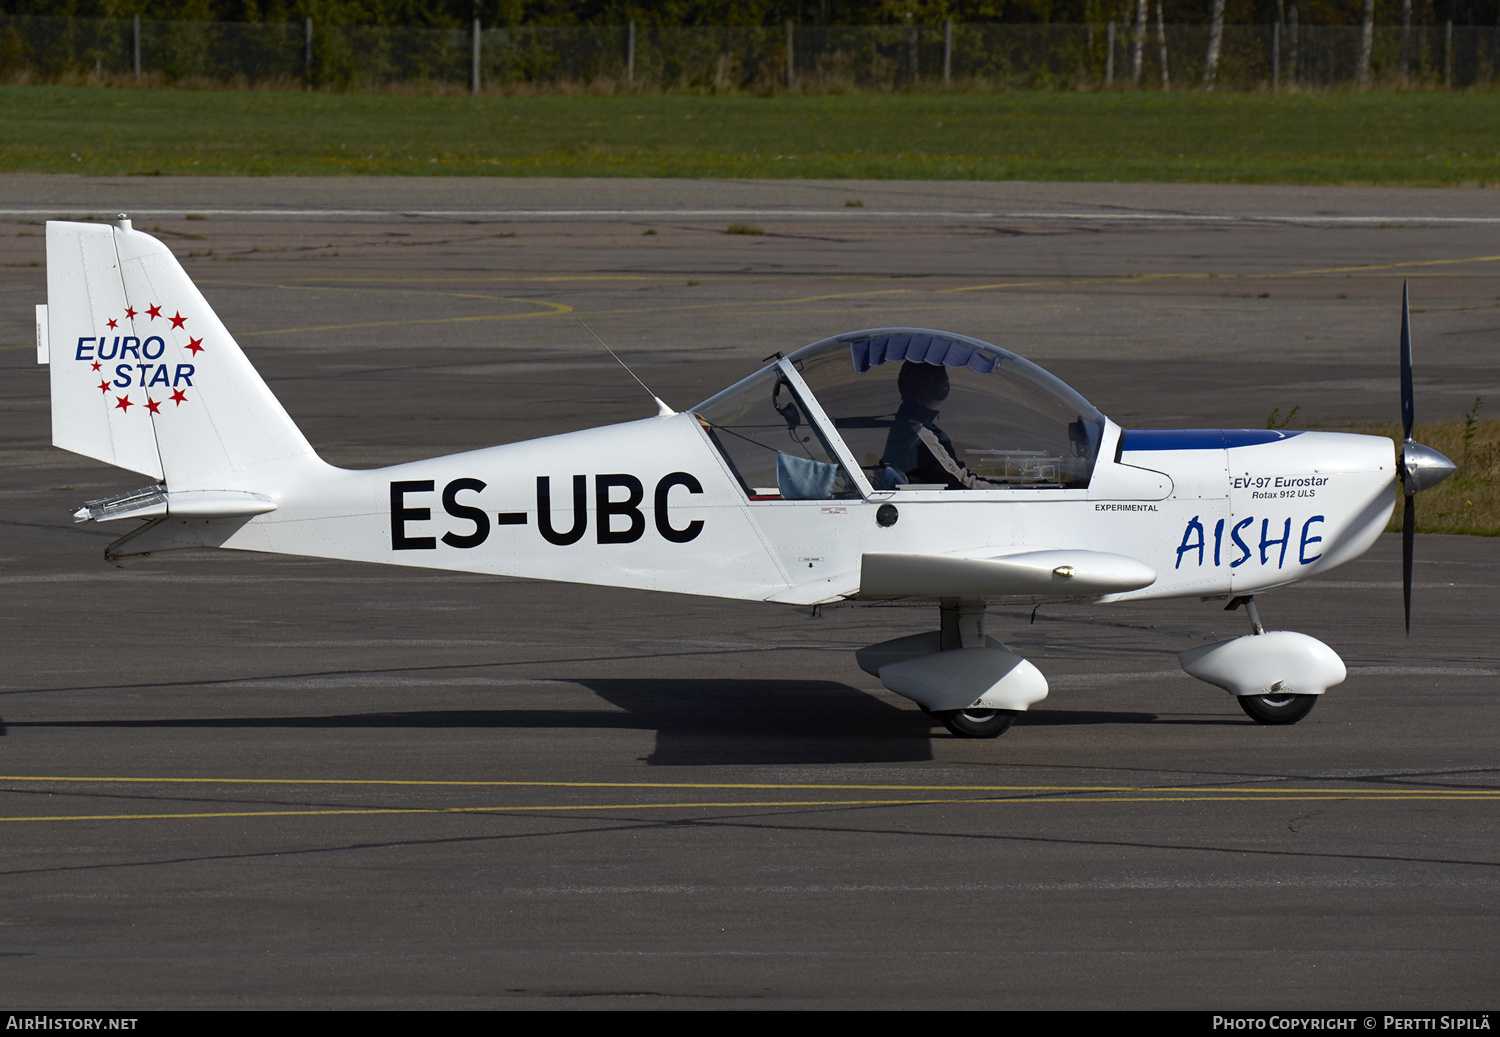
(896, 464)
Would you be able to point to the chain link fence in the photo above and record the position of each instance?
(811, 59)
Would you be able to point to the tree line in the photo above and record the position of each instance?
(667, 13)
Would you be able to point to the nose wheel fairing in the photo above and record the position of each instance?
(1272, 664)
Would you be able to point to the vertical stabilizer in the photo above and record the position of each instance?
(145, 376)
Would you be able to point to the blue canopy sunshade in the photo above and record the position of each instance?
(927, 349)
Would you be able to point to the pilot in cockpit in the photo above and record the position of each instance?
(916, 450)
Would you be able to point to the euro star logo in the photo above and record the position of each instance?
(142, 364)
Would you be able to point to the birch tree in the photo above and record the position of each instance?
(1215, 41)
(1366, 43)
(1140, 41)
(1161, 42)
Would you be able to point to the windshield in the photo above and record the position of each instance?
(763, 431)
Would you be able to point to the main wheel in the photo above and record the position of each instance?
(977, 723)
(1277, 709)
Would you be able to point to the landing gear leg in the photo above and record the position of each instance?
(1247, 600)
(963, 623)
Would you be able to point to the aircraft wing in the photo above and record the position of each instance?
(1047, 573)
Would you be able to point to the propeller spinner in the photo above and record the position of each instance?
(1420, 467)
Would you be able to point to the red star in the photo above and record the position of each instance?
(129, 313)
(123, 403)
(113, 323)
(179, 397)
(194, 346)
(96, 365)
(178, 320)
(153, 406)
(153, 312)
(104, 387)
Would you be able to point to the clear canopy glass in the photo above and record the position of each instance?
(917, 410)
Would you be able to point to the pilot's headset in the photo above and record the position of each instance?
(922, 382)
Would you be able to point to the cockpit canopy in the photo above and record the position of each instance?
(911, 410)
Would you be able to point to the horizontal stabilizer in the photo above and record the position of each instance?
(155, 501)
(1061, 574)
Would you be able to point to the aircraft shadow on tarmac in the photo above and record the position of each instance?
(697, 722)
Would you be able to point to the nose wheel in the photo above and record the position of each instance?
(977, 723)
(1276, 709)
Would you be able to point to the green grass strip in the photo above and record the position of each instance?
(1423, 138)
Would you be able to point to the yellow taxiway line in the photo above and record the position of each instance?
(977, 795)
(775, 786)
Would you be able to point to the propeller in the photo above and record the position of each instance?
(1419, 467)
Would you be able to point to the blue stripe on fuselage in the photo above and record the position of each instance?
(1200, 438)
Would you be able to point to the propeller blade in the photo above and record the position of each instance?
(1408, 407)
(1408, 543)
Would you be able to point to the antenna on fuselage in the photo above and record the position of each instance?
(662, 410)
